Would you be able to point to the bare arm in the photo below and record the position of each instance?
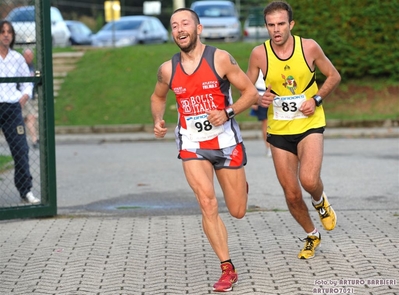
(24, 98)
(258, 62)
(226, 66)
(316, 57)
(158, 99)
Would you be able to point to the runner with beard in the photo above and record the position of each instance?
(207, 135)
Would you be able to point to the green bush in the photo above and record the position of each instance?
(360, 37)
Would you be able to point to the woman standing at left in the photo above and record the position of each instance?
(12, 97)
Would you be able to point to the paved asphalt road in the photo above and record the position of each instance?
(141, 178)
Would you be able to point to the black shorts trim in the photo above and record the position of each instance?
(289, 143)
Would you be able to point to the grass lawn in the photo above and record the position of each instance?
(5, 163)
(114, 85)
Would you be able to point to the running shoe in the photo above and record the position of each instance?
(227, 280)
(31, 199)
(327, 214)
(311, 243)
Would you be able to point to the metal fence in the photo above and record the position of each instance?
(27, 146)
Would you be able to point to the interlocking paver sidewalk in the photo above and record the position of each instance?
(170, 255)
(86, 250)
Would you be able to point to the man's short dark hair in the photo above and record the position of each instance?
(193, 13)
(278, 5)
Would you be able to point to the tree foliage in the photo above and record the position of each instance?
(360, 37)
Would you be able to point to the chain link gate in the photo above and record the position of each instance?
(41, 157)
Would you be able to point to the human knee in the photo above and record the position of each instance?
(309, 183)
(310, 187)
(208, 205)
(237, 204)
(238, 213)
(293, 199)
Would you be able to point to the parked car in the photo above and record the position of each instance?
(219, 19)
(80, 33)
(131, 30)
(255, 29)
(24, 23)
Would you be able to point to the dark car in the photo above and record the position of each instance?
(80, 33)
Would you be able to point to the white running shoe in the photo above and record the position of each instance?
(31, 199)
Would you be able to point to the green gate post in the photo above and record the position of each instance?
(44, 81)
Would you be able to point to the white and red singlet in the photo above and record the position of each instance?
(197, 93)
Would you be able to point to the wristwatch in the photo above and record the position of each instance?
(318, 100)
(229, 113)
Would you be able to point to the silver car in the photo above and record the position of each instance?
(255, 29)
(219, 20)
(24, 23)
(131, 30)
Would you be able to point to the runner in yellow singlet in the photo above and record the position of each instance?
(296, 116)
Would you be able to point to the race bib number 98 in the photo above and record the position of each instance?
(200, 129)
(287, 107)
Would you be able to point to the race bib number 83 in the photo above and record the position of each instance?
(287, 107)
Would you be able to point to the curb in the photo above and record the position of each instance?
(148, 128)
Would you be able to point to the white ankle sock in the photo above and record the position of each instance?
(315, 232)
(314, 202)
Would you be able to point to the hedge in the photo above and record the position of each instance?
(360, 37)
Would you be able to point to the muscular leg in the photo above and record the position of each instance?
(264, 133)
(310, 154)
(199, 175)
(234, 185)
(286, 165)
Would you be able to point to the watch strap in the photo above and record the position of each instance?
(229, 113)
(318, 100)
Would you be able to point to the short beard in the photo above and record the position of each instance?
(192, 45)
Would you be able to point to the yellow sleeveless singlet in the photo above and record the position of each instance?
(288, 79)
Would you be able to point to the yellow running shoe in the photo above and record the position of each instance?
(311, 243)
(327, 214)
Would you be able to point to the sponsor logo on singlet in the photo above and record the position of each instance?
(198, 104)
(179, 90)
(210, 84)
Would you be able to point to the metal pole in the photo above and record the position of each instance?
(113, 23)
(178, 4)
